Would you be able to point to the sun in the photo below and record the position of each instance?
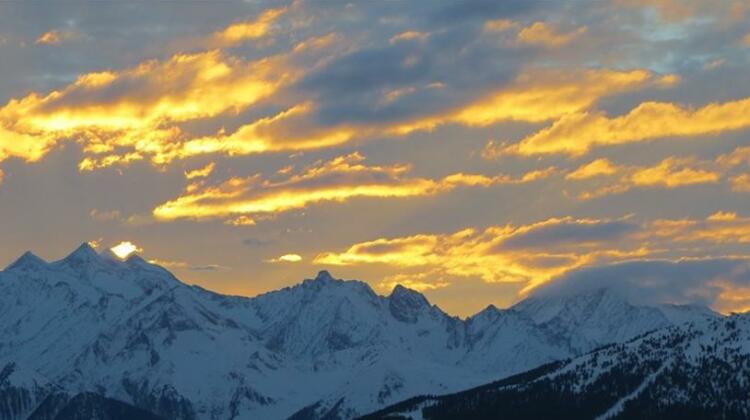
(125, 249)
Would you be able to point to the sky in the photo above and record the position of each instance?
(475, 151)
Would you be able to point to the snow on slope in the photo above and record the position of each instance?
(582, 322)
(131, 331)
(21, 390)
(691, 371)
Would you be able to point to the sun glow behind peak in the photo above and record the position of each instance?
(125, 249)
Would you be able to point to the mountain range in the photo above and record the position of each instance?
(95, 337)
(681, 372)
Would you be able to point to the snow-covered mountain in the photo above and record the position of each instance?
(91, 329)
(692, 371)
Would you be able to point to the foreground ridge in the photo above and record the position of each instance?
(680, 372)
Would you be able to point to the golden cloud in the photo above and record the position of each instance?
(534, 97)
(27, 147)
(599, 167)
(249, 30)
(542, 95)
(201, 172)
(732, 297)
(547, 35)
(739, 156)
(500, 25)
(141, 112)
(134, 113)
(54, 37)
(288, 258)
(577, 133)
(498, 253)
(289, 130)
(671, 172)
(535, 253)
(409, 36)
(420, 282)
(719, 228)
(739, 183)
(241, 201)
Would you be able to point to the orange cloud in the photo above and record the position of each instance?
(739, 156)
(54, 37)
(250, 30)
(135, 114)
(669, 173)
(241, 201)
(420, 282)
(599, 167)
(543, 95)
(535, 96)
(535, 253)
(500, 25)
(201, 172)
(732, 297)
(719, 228)
(577, 133)
(140, 113)
(496, 254)
(288, 258)
(289, 130)
(672, 172)
(27, 147)
(739, 183)
(547, 35)
(409, 36)
(183, 88)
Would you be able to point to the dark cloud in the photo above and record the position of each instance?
(481, 10)
(446, 70)
(253, 242)
(699, 281)
(569, 232)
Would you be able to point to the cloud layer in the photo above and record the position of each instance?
(484, 145)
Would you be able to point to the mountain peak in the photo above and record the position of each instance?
(136, 260)
(403, 292)
(85, 250)
(84, 255)
(406, 304)
(489, 309)
(489, 314)
(323, 281)
(26, 261)
(324, 275)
